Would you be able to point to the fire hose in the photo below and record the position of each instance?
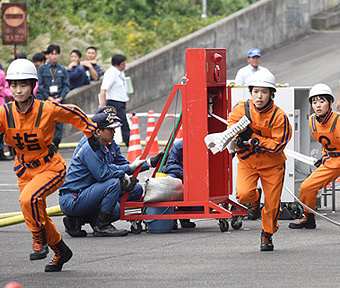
(310, 209)
(17, 217)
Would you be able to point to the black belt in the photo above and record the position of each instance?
(36, 163)
(333, 154)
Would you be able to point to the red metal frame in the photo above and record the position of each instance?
(207, 178)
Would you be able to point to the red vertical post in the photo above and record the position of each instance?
(205, 175)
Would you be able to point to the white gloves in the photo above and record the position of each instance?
(231, 146)
(136, 163)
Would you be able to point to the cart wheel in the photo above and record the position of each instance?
(236, 222)
(224, 225)
(136, 227)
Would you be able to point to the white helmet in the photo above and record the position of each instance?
(262, 78)
(21, 69)
(320, 89)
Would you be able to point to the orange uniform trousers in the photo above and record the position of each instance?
(35, 185)
(272, 183)
(316, 181)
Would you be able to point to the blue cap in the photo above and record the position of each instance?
(105, 120)
(254, 52)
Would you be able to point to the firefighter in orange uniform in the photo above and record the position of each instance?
(260, 153)
(28, 125)
(325, 130)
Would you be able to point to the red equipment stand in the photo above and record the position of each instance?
(207, 178)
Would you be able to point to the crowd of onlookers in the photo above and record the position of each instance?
(55, 80)
(79, 71)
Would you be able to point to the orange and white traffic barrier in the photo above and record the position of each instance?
(179, 134)
(135, 148)
(154, 150)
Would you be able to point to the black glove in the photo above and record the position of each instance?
(239, 142)
(246, 135)
(318, 163)
(153, 161)
(128, 183)
(94, 142)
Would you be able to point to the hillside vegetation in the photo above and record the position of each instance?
(131, 27)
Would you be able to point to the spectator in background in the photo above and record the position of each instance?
(76, 72)
(54, 84)
(113, 92)
(244, 74)
(90, 65)
(20, 56)
(5, 92)
(337, 105)
(38, 59)
(4, 88)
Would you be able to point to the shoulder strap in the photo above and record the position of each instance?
(39, 114)
(11, 123)
(246, 109)
(272, 119)
(312, 123)
(334, 122)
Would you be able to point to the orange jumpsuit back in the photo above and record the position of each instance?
(40, 170)
(271, 126)
(327, 133)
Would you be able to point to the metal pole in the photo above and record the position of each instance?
(170, 143)
(204, 9)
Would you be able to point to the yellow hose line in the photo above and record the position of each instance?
(11, 214)
(74, 144)
(19, 218)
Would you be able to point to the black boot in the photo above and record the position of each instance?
(3, 157)
(73, 226)
(104, 228)
(266, 242)
(254, 211)
(40, 246)
(175, 225)
(308, 222)
(62, 254)
(186, 223)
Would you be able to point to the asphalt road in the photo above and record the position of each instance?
(200, 257)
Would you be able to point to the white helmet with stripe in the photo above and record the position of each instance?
(21, 69)
(320, 89)
(262, 78)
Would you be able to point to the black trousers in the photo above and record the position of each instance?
(121, 113)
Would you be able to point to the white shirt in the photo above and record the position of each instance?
(244, 74)
(115, 85)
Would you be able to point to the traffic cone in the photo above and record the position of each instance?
(179, 134)
(135, 148)
(13, 285)
(154, 150)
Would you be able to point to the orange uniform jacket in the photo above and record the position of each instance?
(328, 134)
(31, 133)
(270, 126)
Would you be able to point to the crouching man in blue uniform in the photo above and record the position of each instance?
(174, 168)
(96, 181)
